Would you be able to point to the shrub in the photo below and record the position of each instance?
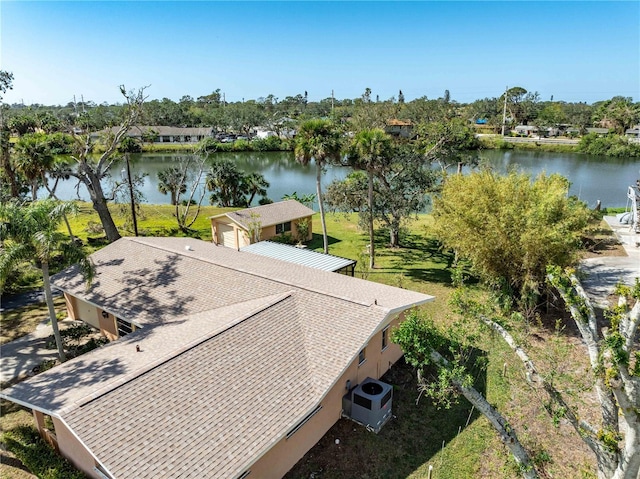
(613, 145)
(37, 455)
(286, 238)
(129, 145)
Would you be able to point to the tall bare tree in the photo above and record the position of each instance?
(91, 169)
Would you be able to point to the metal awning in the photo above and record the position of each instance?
(302, 256)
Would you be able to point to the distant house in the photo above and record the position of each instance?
(633, 132)
(526, 130)
(399, 128)
(244, 227)
(164, 134)
(233, 365)
(598, 131)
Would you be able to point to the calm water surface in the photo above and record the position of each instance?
(592, 178)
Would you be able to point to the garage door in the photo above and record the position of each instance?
(228, 235)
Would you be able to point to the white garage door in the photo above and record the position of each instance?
(228, 235)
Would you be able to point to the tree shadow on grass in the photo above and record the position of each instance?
(421, 258)
(318, 243)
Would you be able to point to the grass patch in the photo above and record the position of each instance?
(27, 445)
(421, 435)
(21, 321)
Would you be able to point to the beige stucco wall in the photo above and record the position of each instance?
(287, 452)
(108, 326)
(73, 450)
(68, 444)
(242, 235)
(82, 311)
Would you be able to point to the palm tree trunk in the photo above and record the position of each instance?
(372, 252)
(325, 239)
(52, 311)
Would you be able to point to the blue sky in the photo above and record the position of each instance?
(575, 51)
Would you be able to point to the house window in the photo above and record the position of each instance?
(124, 327)
(362, 357)
(385, 338)
(283, 227)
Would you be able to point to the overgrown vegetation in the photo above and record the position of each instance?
(610, 145)
(37, 455)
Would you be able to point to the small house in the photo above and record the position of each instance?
(244, 227)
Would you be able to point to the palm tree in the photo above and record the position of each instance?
(226, 183)
(255, 184)
(33, 159)
(30, 233)
(371, 151)
(320, 140)
(172, 181)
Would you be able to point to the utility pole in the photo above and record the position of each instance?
(331, 102)
(133, 203)
(504, 110)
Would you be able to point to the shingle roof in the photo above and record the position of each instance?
(235, 351)
(271, 214)
(138, 130)
(302, 256)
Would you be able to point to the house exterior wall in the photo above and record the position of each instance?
(240, 238)
(287, 452)
(74, 450)
(82, 311)
(79, 310)
(108, 326)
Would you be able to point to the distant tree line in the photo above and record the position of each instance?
(522, 107)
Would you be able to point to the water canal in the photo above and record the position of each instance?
(592, 178)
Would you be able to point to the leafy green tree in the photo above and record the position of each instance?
(618, 113)
(30, 233)
(23, 123)
(399, 192)
(448, 143)
(306, 200)
(33, 159)
(255, 184)
(552, 115)
(7, 173)
(318, 140)
(371, 151)
(226, 183)
(6, 82)
(172, 181)
(510, 228)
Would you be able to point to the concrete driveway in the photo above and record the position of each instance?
(603, 273)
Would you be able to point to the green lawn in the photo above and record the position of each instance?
(421, 435)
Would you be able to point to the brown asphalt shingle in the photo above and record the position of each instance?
(236, 349)
(271, 214)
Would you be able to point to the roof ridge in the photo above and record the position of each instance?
(260, 275)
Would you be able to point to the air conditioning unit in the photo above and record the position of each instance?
(369, 404)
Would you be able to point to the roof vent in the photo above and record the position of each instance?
(188, 248)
